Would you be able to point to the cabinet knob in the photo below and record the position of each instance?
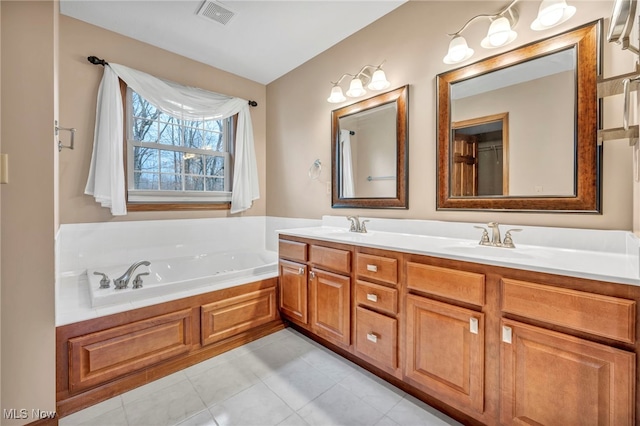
(372, 297)
(473, 325)
(506, 334)
(300, 271)
(372, 268)
(312, 275)
(372, 337)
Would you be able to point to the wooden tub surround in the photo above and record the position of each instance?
(484, 344)
(103, 357)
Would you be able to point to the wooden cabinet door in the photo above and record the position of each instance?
(550, 378)
(330, 306)
(292, 300)
(445, 352)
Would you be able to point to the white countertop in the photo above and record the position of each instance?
(611, 266)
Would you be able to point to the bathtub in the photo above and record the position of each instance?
(205, 272)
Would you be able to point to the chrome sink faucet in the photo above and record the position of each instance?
(496, 239)
(123, 281)
(356, 225)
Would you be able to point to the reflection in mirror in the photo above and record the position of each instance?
(480, 149)
(369, 156)
(368, 153)
(518, 130)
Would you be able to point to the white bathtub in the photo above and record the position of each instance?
(207, 272)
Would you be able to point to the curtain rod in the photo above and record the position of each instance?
(97, 61)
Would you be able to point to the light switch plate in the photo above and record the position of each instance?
(4, 168)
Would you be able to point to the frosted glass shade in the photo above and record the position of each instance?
(379, 81)
(458, 51)
(355, 88)
(552, 13)
(336, 95)
(499, 34)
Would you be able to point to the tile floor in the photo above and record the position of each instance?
(282, 379)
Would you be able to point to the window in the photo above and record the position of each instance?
(175, 160)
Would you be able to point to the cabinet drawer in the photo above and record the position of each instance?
(229, 317)
(105, 355)
(456, 285)
(604, 316)
(377, 337)
(378, 268)
(377, 297)
(330, 258)
(292, 250)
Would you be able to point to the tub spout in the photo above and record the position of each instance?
(123, 281)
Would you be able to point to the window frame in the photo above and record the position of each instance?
(173, 205)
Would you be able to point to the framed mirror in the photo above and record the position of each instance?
(518, 131)
(369, 156)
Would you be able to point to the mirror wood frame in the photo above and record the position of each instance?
(400, 97)
(586, 199)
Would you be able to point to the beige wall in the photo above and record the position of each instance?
(79, 82)
(413, 41)
(28, 206)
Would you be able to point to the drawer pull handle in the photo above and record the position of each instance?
(372, 337)
(372, 268)
(300, 271)
(372, 297)
(473, 325)
(506, 334)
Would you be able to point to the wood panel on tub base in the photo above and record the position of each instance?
(104, 357)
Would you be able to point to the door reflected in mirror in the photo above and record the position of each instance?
(480, 149)
(369, 152)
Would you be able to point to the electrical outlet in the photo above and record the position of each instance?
(538, 189)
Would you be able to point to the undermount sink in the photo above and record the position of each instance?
(487, 251)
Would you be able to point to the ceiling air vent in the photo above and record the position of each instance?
(216, 12)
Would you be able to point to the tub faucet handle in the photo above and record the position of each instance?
(137, 282)
(104, 282)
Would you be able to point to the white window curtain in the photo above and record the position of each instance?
(348, 184)
(106, 180)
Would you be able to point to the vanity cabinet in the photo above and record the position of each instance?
(445, 343)
(485, 344)
(552, 378)
(376, 309)
(315, 288)
(592, 383)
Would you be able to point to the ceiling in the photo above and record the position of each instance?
(262, 41)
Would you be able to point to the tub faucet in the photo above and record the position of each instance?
(123, 281)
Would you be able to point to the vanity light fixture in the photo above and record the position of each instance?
(370, 75)
(501, 33)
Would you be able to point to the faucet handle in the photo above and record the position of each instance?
(508, 241)
(104, 282)
(137, 282)
(484, 240)
(363, 228)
